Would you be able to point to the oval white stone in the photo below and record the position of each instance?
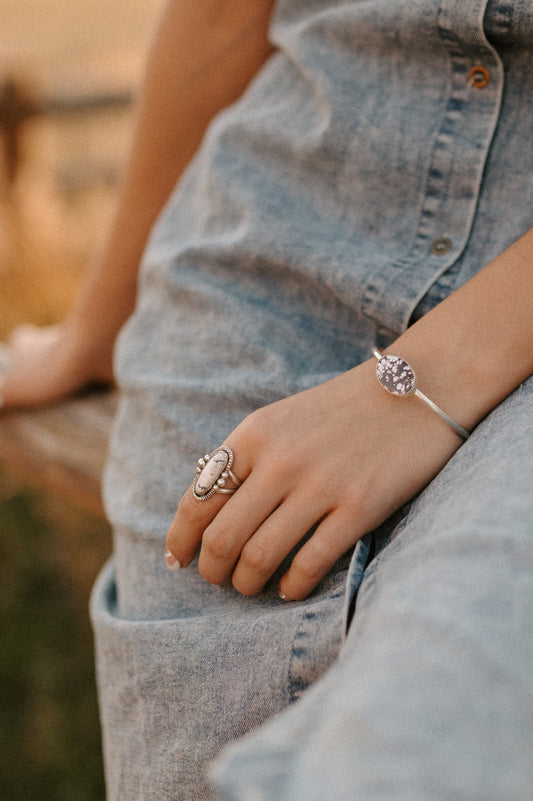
(210, 474)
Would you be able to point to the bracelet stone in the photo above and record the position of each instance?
(398, 377)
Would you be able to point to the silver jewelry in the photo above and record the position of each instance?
(398, 377)
(213, 472)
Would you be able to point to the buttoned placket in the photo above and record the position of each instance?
(447, 210)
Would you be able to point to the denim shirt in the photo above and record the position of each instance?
(427, 110)
(393, 136)
(380, 158)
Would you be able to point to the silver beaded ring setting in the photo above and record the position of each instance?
(212, 474)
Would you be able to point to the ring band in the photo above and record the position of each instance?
(212, 474)
(398, 377)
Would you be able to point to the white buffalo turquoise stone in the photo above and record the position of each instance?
(209, 475)
(396, 375)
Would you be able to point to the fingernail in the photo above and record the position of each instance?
(172, 562)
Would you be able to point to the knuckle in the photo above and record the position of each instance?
(254, 559)
(216, 543)
(250, 431)
(245, 433)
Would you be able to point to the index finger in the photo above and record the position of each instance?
(213, 486)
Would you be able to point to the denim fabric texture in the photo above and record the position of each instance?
(361, 178)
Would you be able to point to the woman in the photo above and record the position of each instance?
(366, 186)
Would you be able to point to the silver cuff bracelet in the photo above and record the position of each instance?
(398, 377)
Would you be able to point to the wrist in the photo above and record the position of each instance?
(464, 373)
(476, 346)
(398, 378)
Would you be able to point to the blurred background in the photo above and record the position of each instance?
(69, 73)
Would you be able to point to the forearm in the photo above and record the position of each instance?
(203, 55)
(475, 347)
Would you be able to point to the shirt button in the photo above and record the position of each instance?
(441, 246)
(478, 77)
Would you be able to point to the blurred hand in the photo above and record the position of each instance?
(48, 364)
(342, 456)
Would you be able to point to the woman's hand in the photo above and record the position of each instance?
(49, 363)
(343, 455)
